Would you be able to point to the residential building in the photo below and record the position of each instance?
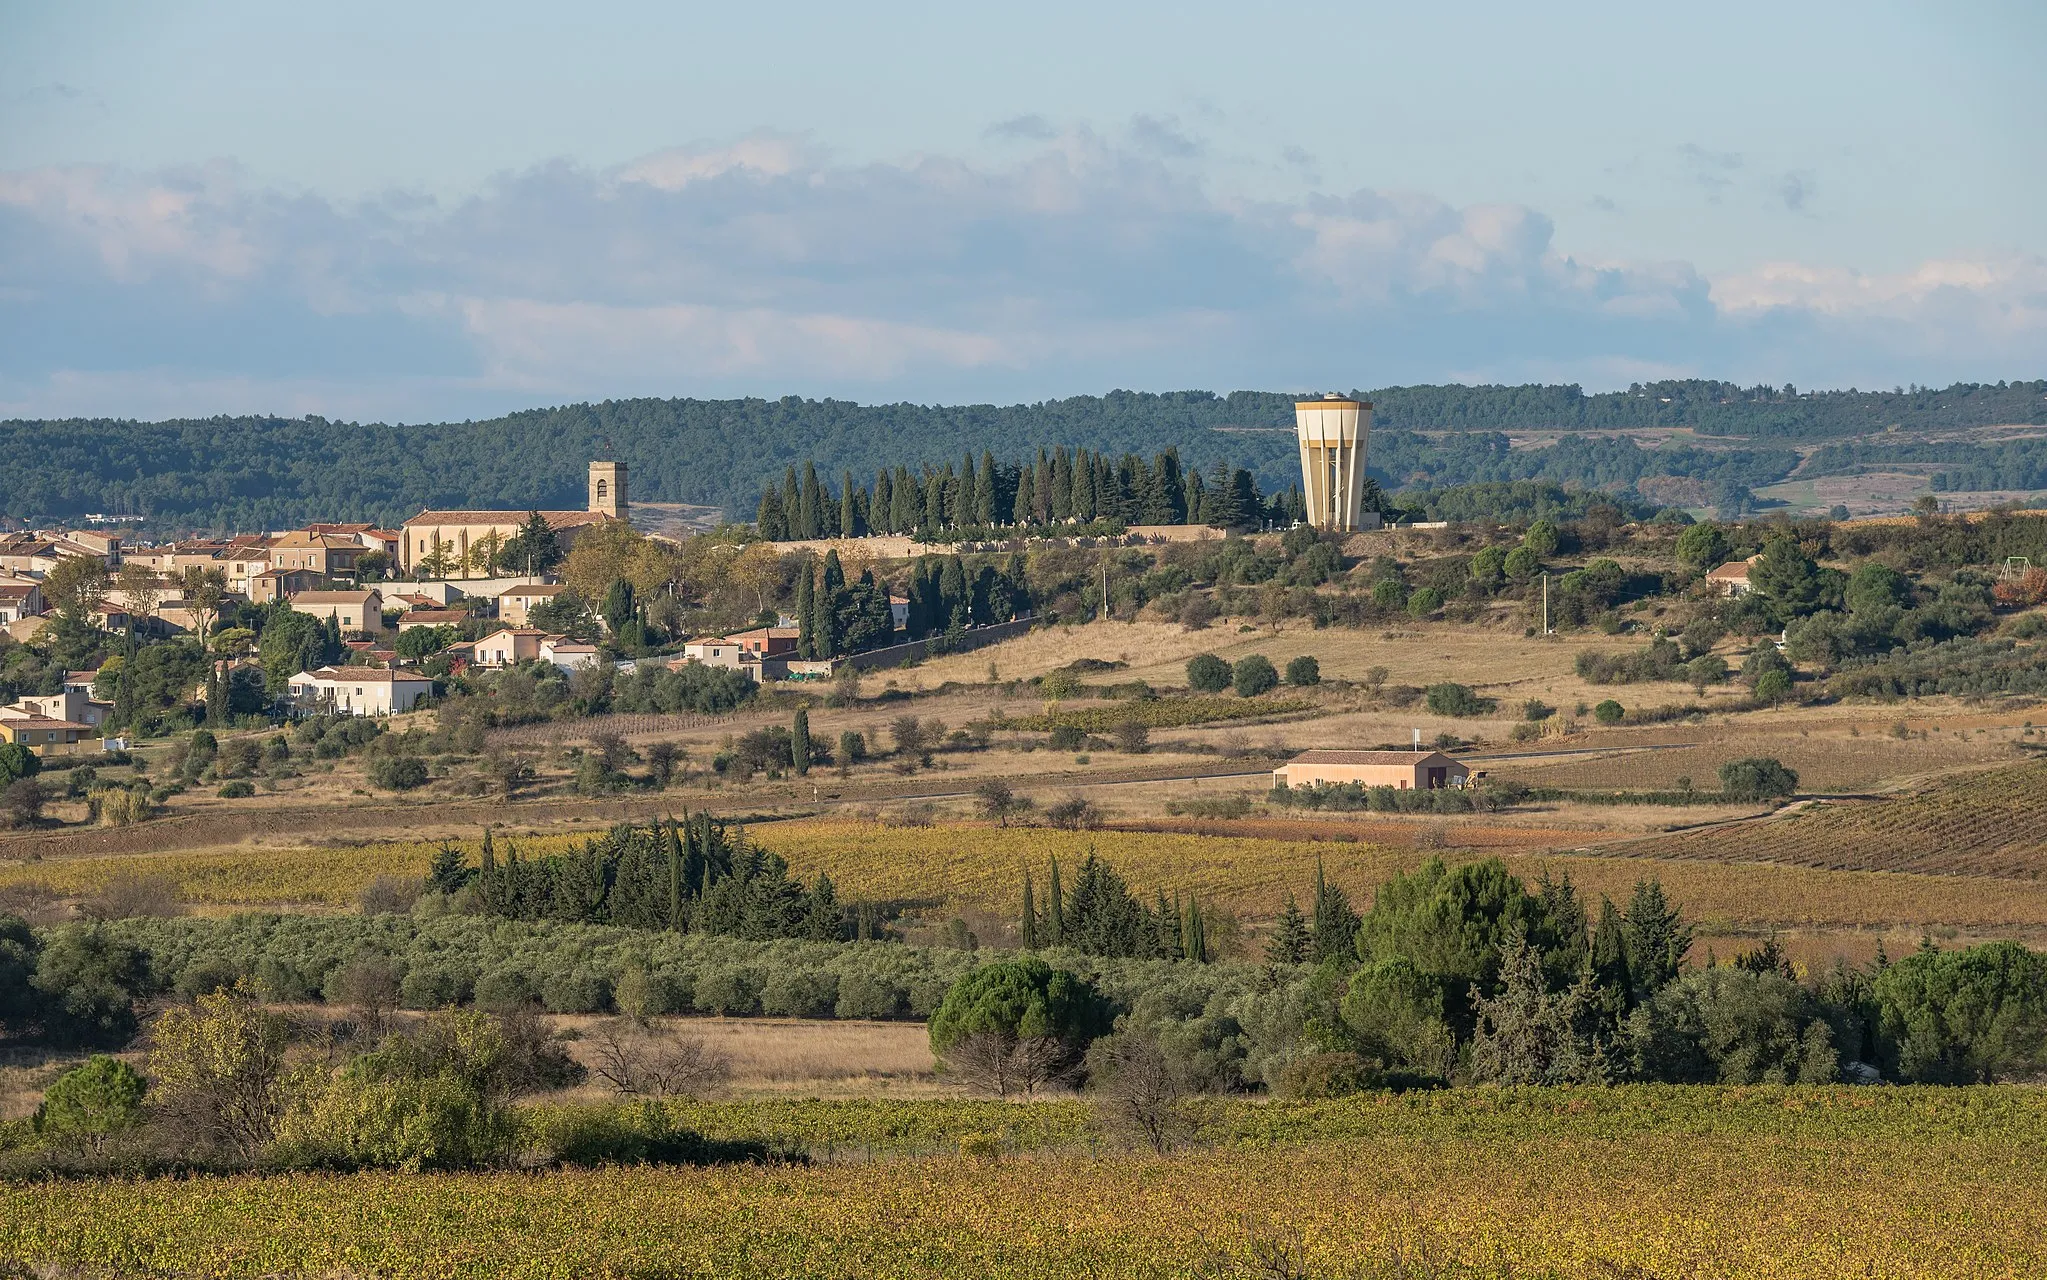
(569, 655)
(327, 554)
(899, 612)
(359, 691)
(353, 611)
(509, 647)
(1402, 770)
(459, 539)
(515, 607)
(19, 598)
(242, 564)
(1731, 579)
(282, 584)
(46, 736)
(766, 642)
(431, 618)
(76, 705)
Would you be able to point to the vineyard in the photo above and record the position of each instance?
(1650, 1183)
(1824, 762)
(982, 868)
(1158, 713)
(1978, 824)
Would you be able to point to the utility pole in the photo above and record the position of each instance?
(1545, 603)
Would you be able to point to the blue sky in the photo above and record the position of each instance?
(429, 211)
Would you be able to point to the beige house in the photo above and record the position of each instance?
(515, 607)
(242, 564)
(509, 647)
(357, 611)
(19, 598)
(431, 618)
(75, 705)
(1731, 579)
(48, 737)
(462, 540)
(359, 691)
(281, 584)
(1401, 770)
(326, 554)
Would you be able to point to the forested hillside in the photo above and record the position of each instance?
(261, 472)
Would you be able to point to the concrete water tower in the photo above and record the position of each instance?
(1333, 432)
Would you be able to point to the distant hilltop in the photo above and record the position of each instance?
(268, 472)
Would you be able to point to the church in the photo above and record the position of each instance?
(466, 540)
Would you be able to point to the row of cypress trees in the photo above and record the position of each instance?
(1101, 916)
(1056, 488)
(695, 875)
(835, 617)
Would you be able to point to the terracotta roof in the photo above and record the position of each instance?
(45, 722)
(555, 519)
(1370, 757)
(432, 617)
(20, 589)
(366, 675)
(1733, 570)
(539, 589)
(333, 597)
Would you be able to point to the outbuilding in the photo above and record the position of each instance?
(1401, 770)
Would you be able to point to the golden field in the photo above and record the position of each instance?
(1480, 1184)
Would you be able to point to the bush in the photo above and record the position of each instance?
(1208, 674)
(1424, 602)
(866, 995)
(397, 773)
(1254, 675)
(727, 991)
(1773, 686)
(1303, 671)
(1609, 712)
(800, 993)
(576, 991)
(1757, 778)
(237, 790)
(1450, 699)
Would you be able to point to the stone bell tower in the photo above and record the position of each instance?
(607, 489)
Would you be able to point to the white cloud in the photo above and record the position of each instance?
(762, 267)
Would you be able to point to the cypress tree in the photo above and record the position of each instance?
(904, 501)
(1169, 938)
(216, 696)
(934, 500)
(810, 523)
(882, 516)
(1041, 505)
(1055, 909)
(1030, 915)
(987, 507)
(1657, 938)
(1083, 501)
(1025, 510)
(1195, 932)
(1609, 961)
(1197, 500)
(1060, 499)
(834, 573)
(674, 846)
(487, 879)
(806, 641)
(849, 511)
(970, 495)
(799, 742)
(824, 623)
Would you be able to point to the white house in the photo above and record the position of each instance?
(359, 691)
(569, 655)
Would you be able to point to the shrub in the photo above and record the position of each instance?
(727, 990)
(1207, 673)
(1451, 699)
(1068, 737)
(505, 988)
(1303, 671)
(1254, 675)
(865, 995)
(579, 990)
(1424, 602)
(1608, 712)
(397, 773)
(436, 985)
(800, 993)
(237, 790)
(1757, 778)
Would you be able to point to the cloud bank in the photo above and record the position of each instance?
(761, 266)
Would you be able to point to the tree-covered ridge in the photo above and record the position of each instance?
(271, 472)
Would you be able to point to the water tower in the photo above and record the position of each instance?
(1333, 432)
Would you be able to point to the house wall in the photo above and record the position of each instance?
(1401, 777)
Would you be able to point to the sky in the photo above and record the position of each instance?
(415, 212)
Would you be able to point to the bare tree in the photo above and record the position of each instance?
(1002, 1064)
(633, 1061)
(1137, 1091)
(370, 987)
(129, 897)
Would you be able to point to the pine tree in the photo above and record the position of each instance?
(1221, 509)
(1029, 928)
(1336, 925)
(1289, 943)
(799, 742)
(1657, 938)
(1055, 910)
